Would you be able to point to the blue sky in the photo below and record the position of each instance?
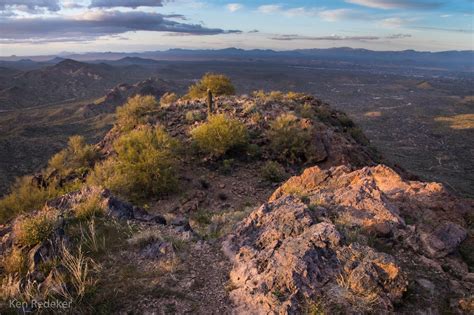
(30, 27)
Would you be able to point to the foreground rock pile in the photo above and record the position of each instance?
(342, 240)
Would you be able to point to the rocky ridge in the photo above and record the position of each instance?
(345, 240)
(349, 235)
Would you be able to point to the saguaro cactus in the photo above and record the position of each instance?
(210, 102)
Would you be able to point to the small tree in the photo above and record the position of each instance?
(219, 84)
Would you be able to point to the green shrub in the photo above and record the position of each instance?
(219, 135)
(345, 120)
(25, 195)
(307, 111)
(78, 155)
(136, 111)
(168, 98)
(91, 207)
(219, 84)
(144, 165)
(273, 172)
(194, 115)
(290, 140)
(35, 229)
(358, 135)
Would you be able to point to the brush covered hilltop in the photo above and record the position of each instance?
(212, 203)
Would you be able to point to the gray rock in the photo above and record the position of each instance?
(443, 240)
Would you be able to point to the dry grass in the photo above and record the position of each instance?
(91, 207)
(79, 271)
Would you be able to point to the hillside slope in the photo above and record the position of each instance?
(68, 80)
(343, 234)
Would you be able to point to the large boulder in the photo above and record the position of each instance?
(283, 258)
(351, 241)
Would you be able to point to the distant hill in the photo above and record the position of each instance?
(446, 60)
(67, 80)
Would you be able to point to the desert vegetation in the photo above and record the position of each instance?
(143, 167)
(219, 84)
(136, 111)
(220, 134)
(290, 139)
(147, 210)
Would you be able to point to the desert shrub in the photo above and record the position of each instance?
(78, 155)
(219, 135)
(275, 96)
(136, 111)
(344, 120)
(273, 172)
(91, 207)
(307, 111)
(290, 140)
(34, 229)
(168, 98)
(144, 165)
(26, 195)
(249, 108)
(194, 115)
(15, 262)
(294, 96)
(272, 96)
(219, 84)
(358, 135)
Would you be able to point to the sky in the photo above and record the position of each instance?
(43, 27)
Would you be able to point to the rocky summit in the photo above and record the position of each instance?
(352, 241)
(268, 203)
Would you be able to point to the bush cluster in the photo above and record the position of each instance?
(35, 229)
(290, 139)
(219, 84)
(219, 135)
(136, 111)
(273, 172)
(78, 155)
(168, 98)
(144, 165)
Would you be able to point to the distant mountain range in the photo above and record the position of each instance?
(446, 60)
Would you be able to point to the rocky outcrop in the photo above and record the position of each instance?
(344, 240)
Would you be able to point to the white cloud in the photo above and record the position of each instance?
(337, 14)
(393, 22)
(233, 7)
(270, 8)
(396, 4)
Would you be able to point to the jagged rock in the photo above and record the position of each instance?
(114, 207)
(289, 253)
(284, 257)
